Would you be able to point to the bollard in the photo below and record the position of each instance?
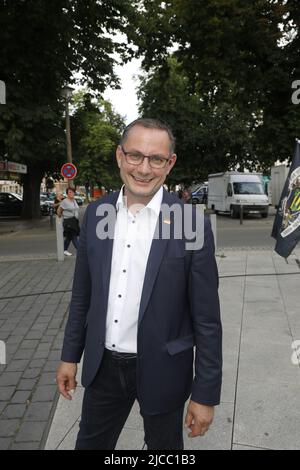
(59, 238)
(241, 214)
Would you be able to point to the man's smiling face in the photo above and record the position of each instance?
(141, 181)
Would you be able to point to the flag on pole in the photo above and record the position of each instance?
(286, 228)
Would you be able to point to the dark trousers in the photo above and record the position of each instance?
(69, 239)
(107, 403)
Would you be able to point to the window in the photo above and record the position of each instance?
(248, 188)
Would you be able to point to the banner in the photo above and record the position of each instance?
(286, 228)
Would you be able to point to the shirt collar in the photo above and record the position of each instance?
(154, 204)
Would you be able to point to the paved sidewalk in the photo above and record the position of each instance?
(34, 301)
(260, 408)
(260, 399)
(16, 224)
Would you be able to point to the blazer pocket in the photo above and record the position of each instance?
(180, 344)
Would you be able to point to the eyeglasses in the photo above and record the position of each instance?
(155, 161)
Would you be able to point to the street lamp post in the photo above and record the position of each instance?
(67, 95)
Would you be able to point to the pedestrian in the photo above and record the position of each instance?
(186, 195)
(69, 210)
(139, 306)
(58, 198)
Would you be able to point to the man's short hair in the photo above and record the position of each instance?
(150, 123)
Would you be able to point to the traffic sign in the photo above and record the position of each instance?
(68, 171)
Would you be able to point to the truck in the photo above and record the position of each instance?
(279, 175)
(228, 191)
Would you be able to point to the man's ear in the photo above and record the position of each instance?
(119, 155)
(172, 162)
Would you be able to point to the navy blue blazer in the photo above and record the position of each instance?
(179, 309)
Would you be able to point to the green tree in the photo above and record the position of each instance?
(97, 131)
(210, 136)
(43, 44)
(239, 58)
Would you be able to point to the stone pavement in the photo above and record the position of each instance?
(16, 224)
(260, 406)
(34, 299)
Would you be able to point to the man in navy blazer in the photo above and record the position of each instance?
(140, 303)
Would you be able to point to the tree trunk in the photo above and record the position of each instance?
(31, 192)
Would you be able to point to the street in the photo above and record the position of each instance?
(255, 232)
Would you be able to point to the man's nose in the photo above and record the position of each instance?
(144, 167)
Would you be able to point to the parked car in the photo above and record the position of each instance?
(79, 199)
(46, 204)
(200, 195)
(10, 204)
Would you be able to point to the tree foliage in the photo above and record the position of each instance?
(96, 133)
(238, 59)
(43, 46)
(210, 136)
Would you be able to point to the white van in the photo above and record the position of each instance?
(228, 191)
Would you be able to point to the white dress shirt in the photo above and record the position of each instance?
(132, 242)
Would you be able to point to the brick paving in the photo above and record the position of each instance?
(34, 300)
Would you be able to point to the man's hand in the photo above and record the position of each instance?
(198, 418)
(66, 378)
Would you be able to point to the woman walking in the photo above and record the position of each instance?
(69, 210)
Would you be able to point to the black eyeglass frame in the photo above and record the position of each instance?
(146, 156)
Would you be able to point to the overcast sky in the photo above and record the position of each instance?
(125, 100)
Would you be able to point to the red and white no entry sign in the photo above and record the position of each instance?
(68, 171)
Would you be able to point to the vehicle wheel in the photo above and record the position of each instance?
(232, 213)
(264, 215)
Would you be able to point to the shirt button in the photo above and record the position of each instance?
(128, 246)
(119, 295)
(113, 345)
(116, 321)
(124, 270)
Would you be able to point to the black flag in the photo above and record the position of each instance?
(286, 228)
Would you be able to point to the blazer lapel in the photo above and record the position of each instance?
(156, 254)
(106, 257)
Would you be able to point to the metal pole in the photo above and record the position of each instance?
(59, 238)
(68, 140)
(241, 214)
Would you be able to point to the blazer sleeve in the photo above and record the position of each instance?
(75, 331)
(205, 310)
